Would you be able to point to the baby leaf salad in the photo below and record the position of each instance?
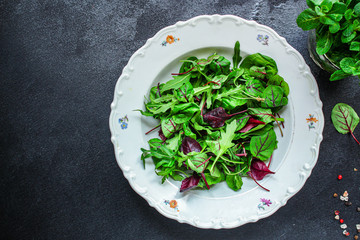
(216, 120)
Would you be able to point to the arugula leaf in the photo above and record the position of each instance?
(175, 83)
(226, 140)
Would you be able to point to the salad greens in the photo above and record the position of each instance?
(216, 120)
(345, 119)
(337, 24)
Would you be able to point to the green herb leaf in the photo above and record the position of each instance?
(168, 126)
(254, 87)
(313, 3)
(226, 140)
(201, 87)
(195, 161)
(185, 92)
(324, 43)
(308, 20)
(260, 60)
(234, 182)
(175, 83)
(263, 146)
(338, 75)
(277, 80)
(326, 5)
(236, 58)
(338, 8)
(357, 9)
(274, 97)
(348, 65)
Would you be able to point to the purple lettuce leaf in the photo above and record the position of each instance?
(251, 123)
(190, 145)
(216, 117)
(258, 169)
(189, 182)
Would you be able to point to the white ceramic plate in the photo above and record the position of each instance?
(219, 207)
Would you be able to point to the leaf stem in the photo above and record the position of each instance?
(183, 72)
(204, 162)
(234, 114)
(282, 124)
(267, 114)
(211, 82)
(184, 95)
(203, 177)
(258, 183)
(237, 172)
(228, 160)
(270, 161)
(153, 129)
(352, 134)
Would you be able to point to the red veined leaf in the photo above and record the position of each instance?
(189, 182)
(190, 145)
(344, 119)
(251, 123)
(259, 170)
(217, 117)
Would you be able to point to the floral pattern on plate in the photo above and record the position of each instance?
(311, 120)
(263, 39)
(170, 39)
(264, 203)
(173, 204)
(124, 122)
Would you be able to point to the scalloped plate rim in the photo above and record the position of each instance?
(218, 224)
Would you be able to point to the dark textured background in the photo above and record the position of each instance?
(59, 62)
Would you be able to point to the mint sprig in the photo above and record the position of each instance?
(337, 25)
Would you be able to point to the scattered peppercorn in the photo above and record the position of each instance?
(339, 177)
(335, 195)
(348, 204)
(341, 220)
